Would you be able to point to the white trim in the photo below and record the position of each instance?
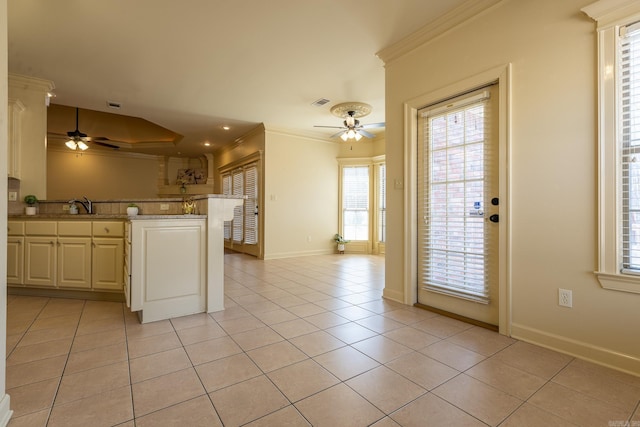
(610, 16)
(5, 410)
(609, 12)
(502, 75)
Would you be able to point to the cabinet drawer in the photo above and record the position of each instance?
(108, 228)
(15, 228)
(74, 228)
(41, 228)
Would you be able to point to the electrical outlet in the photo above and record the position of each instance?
(308, 238)
(65, 208)
(164, 206)
(565, 298)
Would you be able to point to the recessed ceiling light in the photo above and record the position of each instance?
(206, 144)
(113, 104)
(226, 127)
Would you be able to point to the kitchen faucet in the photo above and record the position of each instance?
(87, 204)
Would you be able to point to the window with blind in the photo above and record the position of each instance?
(355, 202)
(453, 184)
(618, 143)
(382, 202)
(629, 76)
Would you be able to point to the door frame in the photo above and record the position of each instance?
(501, 75)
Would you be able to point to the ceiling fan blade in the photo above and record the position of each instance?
(373, 125)
(330, 127)
(365, 133)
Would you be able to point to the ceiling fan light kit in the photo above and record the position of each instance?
(352, 129)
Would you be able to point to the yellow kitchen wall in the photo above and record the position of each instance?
(363, 148)
(301, 188)
(552, 200)
(100, 175)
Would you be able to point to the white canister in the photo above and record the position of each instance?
(132, 210)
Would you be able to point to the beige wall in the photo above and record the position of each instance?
(100, 175)
(363, 148)
(552, 48)
(301, 187)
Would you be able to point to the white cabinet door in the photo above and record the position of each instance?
(108, 267)
(15, 260)
(74, 262)
(168, 273)
(40, 260)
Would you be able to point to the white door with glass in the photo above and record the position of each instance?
(242, 231)
(458, 206)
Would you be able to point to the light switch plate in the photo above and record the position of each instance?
(164, 206)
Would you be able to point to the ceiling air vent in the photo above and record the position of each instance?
(320, 102)
(114, 105)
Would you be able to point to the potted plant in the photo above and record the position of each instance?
(31, 201)
(341, 241)
(132, 209)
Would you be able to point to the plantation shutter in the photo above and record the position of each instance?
(251, 205)
(454, 168)
(629, 55)
(355, 202)
(238, 190)
(382, 202)
(226, 190)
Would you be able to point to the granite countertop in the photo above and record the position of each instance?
(180, 216)
(104, 216)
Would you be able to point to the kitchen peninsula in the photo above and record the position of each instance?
(165, 263)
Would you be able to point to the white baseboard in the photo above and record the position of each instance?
(280, 255)
(582, 350)
(5, 410)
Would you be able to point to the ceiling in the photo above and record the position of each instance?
(192, 67)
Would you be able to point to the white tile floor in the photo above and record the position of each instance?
(303, 341)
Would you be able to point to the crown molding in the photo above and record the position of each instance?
(609, 12)
(437, 27)
(26, 82)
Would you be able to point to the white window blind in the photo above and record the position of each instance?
(355, 202)
(251, 205)
(629, 77)
(454, 169)
(227, 190)
(238, 190)
(382, 202)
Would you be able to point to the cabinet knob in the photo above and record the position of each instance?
(51, 242)
(106, 229)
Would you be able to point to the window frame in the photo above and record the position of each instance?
(372, 245)
(610, 16)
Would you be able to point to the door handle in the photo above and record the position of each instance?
(494, 218)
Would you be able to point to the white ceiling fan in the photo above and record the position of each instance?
(352, 129)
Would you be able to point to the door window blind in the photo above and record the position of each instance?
(629, 77)
(251, 205)
(238, 190)
(355, 202)
(227, 190)
(454, 168)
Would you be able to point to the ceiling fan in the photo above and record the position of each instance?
(352, 129)
(78, 140)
